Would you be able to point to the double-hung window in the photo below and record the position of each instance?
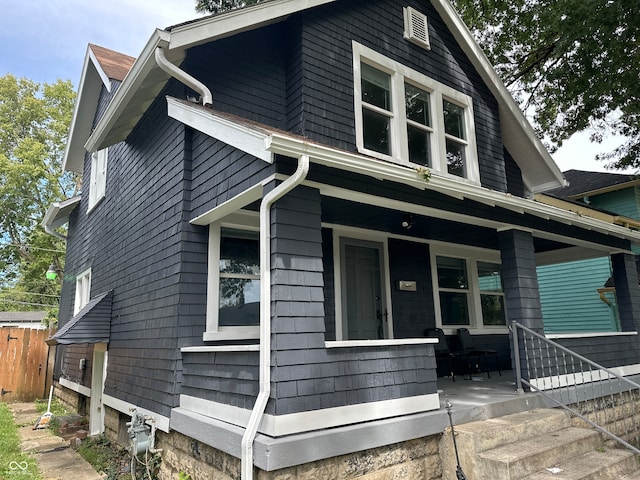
(405, 117)
(468, 289)
(98, 180)
(233, 290)
(83, 290)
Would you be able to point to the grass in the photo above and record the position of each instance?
(14, 465)
(57, 408)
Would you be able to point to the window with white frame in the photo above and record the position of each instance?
(233, 289)
(408, 118)
(98, 180)
(468, 289)
(83, 290)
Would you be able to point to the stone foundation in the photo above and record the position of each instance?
(618, 413)
(413, 460)
(70, 399)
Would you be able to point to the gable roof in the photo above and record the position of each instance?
(101, 65)
(583, 183)
(539, 171)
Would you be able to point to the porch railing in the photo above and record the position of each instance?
(596, 394)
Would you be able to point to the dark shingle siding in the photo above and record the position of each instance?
(328, 73)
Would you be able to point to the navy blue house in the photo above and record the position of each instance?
(278, 202)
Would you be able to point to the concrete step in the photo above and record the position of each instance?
(600, 464)
(508, 429)
(518, 459)
(635, 475)
(475, 437)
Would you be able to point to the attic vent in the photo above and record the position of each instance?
(416, 29)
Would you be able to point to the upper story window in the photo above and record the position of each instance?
(83, 290)
(98, 180)
(468, 289)
(233, 289)
(408, 118)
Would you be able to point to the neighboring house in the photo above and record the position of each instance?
(579, 296)
(256, 254)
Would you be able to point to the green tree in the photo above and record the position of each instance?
(219, 6)
(573, 65)
(34, 121)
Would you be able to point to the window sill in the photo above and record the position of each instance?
(221, 348)
(232, 333)
(92, 206)
(453, 330)
(380, 343)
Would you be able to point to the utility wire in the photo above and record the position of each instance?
(17, 292)
(29, 247)
(4, 300)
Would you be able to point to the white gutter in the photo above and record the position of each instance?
(265, 312)
(205, 94)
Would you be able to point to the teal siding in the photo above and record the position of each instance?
(569, 297)
(623, 202)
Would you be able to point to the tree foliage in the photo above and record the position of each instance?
(219, 6)
(34, 121)
(573, 65)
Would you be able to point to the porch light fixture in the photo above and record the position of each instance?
(407, 221)
(52, 273)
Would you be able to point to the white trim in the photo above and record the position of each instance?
(556, 336)
(234, 21)
(98, 376)
(82, 291)
(367, 236)
(75, 386)
(214, 330)
(399, 74)
(127, 408)
(230, 206)
(244, 138)
(471, 256)
(579, 378)
(98, 178)
(380, 343)
(222, 348)
(322, 419)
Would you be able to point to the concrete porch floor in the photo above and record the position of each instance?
(481, 397)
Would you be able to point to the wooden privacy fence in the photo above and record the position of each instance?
(23, 364)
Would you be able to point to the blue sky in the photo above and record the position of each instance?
(44, 40)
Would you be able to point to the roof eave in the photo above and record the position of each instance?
(92, 79)
(517, 134)
(115, 125)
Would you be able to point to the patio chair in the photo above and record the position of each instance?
(470, 351)
(442, 349)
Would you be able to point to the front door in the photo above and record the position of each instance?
(363, 305)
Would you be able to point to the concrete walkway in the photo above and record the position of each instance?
(56, 460)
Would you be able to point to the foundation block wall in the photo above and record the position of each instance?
(67, 397)
(414, 460)
(620, 414)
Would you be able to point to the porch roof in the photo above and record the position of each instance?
(92, 324)
(262, 141)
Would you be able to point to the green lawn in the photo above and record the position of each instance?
(14, 465)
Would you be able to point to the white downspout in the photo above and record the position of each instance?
(205, 94)
(265, 312)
